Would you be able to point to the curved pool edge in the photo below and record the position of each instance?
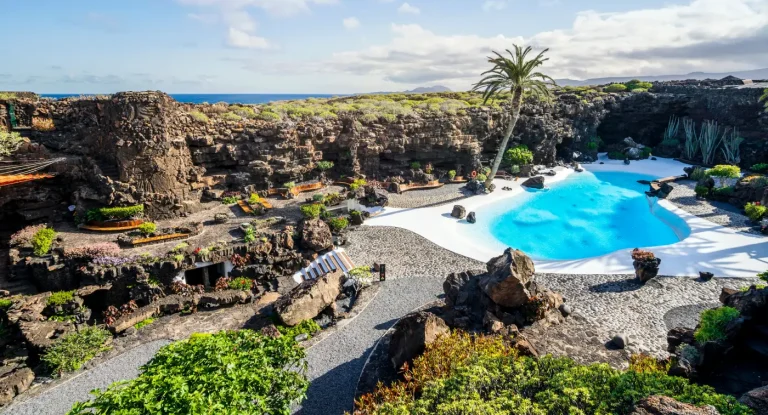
(709, 247)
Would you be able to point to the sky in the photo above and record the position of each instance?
(349, 46)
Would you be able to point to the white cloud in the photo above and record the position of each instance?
(241, 39)
(704, 35)
(406, 8)
(494, 5)
(351, 23)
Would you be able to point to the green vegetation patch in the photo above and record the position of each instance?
(313, 211)
(59, 298)
(230, 372)
(241, 283)
(518, 156)
(713, 323)
(461, 374)
(338, 223)
(75, 349)
(199, 117)
(147, 228)
(116, 213)
(144, 323)
(725, 170)
(754, 211)
(308, 327)
(42, 241)
(760, 168)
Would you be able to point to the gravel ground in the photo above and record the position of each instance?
(419, 198)
(60, 399)
(720, 213)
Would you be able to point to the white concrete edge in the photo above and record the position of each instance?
(710, 247)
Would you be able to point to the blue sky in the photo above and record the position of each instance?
(343, 46)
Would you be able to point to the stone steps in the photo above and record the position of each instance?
(328, 263)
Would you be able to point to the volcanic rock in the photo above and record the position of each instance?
(309, 299)
(412, 334)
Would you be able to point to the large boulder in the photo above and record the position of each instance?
(15, 383)
(663, 405)
(308, 299)
(412, 334)
(458, 212)
(757, 399)
(509, 278)
(536, 182)
(224, 298)
(315, 235)
(127, 321)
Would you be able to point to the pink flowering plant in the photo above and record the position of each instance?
(24, 236)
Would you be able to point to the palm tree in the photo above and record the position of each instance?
(516, 75)
(764, 98)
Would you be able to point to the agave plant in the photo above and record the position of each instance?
(731, 142)
(764, 98)
(691, 139)
(670, 134)
(516, 75)
(709, 139)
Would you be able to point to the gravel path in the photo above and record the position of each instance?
(420, 198)
(720, 213)
(61, 398)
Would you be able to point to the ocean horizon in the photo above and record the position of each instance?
(228, 98)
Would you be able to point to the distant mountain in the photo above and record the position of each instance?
(427, 89)
(753, 74)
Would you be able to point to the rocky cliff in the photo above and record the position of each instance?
(146, 147)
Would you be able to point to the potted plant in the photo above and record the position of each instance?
(646, 264)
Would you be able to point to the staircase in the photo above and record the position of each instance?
(14, 286)
(109, 169)
(331, 262)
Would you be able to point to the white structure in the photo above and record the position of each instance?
(333, 261)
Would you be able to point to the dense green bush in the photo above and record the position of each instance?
(701, 190)
(638, 84)
(763, 276)
(253, 199)
(615, 88)
(5, 304)
(232, 372)
(357, 183)
(616, 155)
(698, 173)
(147, 228)
(324, 165)
(459, 374)
(229, 200)
(249, 235)
(116, 213)
(760, 168)
(75, 349)
(241, 283)
(42, 241)
(723, 193)
(713, 323)
(312, 211)
(10, 141)
(318, 198)
(60, 298)
(415, 165)
(199, 117)
(518, 156)
(308, 327)
(289, 185)
(754, 211)
(481, 178)
(338, 223)
(451, 174)
(725, 170)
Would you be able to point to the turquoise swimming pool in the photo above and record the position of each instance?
(585, 215)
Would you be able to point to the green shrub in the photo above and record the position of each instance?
(415, 165)
(338, 224)
(701, 190)
(42, 241)
(760, 168)
(754, 211)
(481, 178)
(199, 117)
(5, 304)
(460, 374)
(253, 199)
(289, 185)
(638, 90)
(638, 84)
(713, 323)
(241, 283)
(646, 152)
(59, 298)
(116, 213)
(451, 174)
(518, 156)
(698, 173)
(231, 116)
(269, 116)
(724, 170)
(250, 235)
(615, 88)
(9, 142)
(144, 323)
(318, 198)
(245, 112)
(147, 228)
(763, 276)
(75, 349)
(230, 372)
(324, 165)
(357, 183)
(723, 193)
(308, 327)
(312, 211)
(616, 155)
(362, 274)
(229, 200)
(514, 169)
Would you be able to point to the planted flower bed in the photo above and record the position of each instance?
(114, 219)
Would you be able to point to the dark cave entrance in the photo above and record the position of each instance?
(205, 275)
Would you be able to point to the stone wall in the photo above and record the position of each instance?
(144, 147)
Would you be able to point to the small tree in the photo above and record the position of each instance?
(9, 142)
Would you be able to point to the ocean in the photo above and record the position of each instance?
(228, 98)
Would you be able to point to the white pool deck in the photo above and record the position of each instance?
(710, 247)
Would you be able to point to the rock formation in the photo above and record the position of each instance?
(412, 334)
(309, 299)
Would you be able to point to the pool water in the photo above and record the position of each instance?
(583, 216)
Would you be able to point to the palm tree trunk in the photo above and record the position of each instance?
(517, 102)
